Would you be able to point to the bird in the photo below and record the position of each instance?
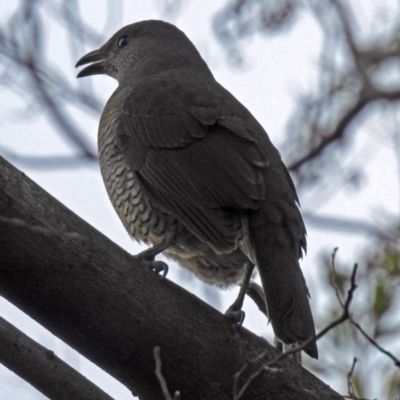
(192, 173)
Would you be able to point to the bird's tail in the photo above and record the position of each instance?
(284, 286)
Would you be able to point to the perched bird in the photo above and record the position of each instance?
(190, 171)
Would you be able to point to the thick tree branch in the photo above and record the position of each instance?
(42, 368)
(101, 301)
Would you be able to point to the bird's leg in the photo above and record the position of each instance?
(151, 252)
(147, 257)
(235, 312)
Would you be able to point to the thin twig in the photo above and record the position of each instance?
(331, 277)
(375, 344)
(350, 386)
(334, 136)
(161, 378)
(356, 324)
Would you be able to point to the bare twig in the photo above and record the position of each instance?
(22, 48)
(334, 136)
(356, 324)
(161, 378)
(375, 344)
(350, 386)
(61, 119)
(332, 283)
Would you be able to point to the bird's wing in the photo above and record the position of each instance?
(198, 163)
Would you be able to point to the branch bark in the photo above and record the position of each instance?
(42, 368)
(97, 298)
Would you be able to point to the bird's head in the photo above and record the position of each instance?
(145, 47)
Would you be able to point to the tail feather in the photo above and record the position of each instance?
(284, 286)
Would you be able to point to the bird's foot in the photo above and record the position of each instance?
(157, 267)
(235, 316)
(147, 257)
(153, 265)
(234, 312)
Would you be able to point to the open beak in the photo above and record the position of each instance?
(96, 57)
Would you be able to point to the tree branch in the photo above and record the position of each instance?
(375, 343)
(42, 368)
(337, 134)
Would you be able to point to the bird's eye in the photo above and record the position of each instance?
(123, 41)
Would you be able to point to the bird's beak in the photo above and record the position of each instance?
(96, 57)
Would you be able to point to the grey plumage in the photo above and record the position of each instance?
(184, 161)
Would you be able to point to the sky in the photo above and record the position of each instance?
(276, 70)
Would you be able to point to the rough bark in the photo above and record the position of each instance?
(42, 368)
(97, 298)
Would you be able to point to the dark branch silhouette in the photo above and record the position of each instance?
(42, 368)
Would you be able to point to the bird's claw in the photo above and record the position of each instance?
(236, 316)
(157, 267)
(154, 266)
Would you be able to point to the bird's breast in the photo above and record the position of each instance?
(143, 221)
